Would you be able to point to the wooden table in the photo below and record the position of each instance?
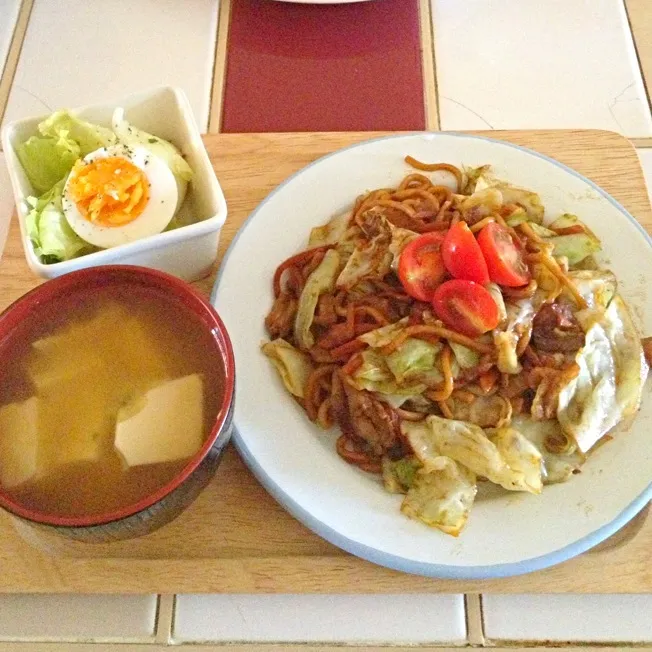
(235, 538)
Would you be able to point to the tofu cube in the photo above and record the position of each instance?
(165, 426)
(19, 442)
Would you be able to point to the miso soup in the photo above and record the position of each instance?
(105, 402)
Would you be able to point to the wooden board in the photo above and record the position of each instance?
(235, 538)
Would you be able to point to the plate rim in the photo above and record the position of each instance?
(389, 560)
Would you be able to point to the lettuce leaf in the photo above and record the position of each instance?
(53, 239)
(87, 136)
(47, 160)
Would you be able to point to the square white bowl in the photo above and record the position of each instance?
(188, 252)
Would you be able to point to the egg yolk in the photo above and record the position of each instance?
(109, 191)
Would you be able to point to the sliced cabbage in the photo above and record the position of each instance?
(293, 366)
(575, 247)
(467, 444)
(321, 280)
(51, 236)
(373, 368)
(597, 287)
(400, 238)
(399, 475)
(517, 217)
(331, 232)
(421, 440)
(374, 375)
(542, 231)
(382, 336)
(486, 411)
(609, 385)
(557, 467)
(442, 497)
(411, 367)
(129, 135)
(372, 259)
(481, 204)
(412, 359)
(521, 456)
(527, 199)
(520, 315)
(471, 176)
(497, 295)
(571, 222)
(88, 136)
(466, 357)
(548, 285)
(505, 343)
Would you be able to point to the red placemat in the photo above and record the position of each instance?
(346, 67)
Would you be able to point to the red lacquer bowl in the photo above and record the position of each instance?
(160, 507)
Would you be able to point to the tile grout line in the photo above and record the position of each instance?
(219, 69)
(474, 622)
(647, 87)
(430, 95)
(13, 55)
(165, 618)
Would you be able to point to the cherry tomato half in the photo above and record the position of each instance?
(504, 257)
(462, 255)
(420, 266)
(465, 307)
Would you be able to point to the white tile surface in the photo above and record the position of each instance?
(77, 617)
(97, 51)
(524, 64)
(321, 618)
(568, 617)
(8, 15)
(6, 203)
(645, 156)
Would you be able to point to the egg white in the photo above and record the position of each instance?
(160, 209)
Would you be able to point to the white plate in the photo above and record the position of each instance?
(508, 533)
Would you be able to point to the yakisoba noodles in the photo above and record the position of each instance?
(444, 330)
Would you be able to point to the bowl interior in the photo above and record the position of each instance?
(54, 299)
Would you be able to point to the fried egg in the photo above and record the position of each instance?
(119, 194)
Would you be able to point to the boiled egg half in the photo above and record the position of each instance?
(119, 194)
